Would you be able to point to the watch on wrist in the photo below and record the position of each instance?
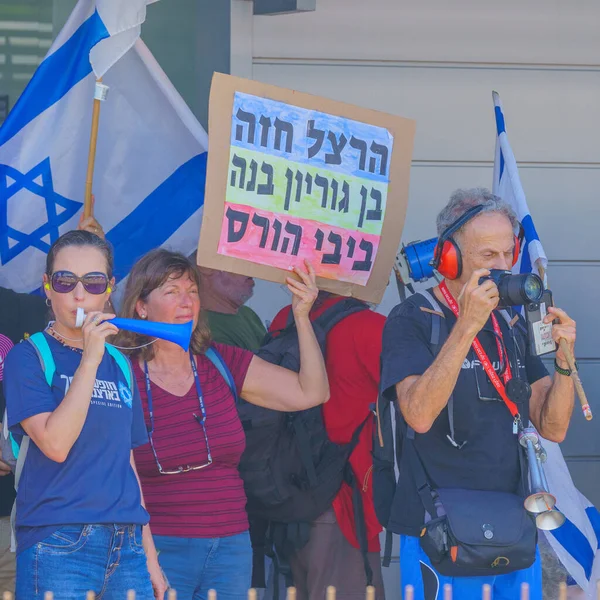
(561, 371)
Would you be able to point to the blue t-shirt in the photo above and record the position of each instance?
(96, 483)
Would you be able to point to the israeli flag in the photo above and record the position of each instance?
(576, 542)
(151, 151)
(507, 185)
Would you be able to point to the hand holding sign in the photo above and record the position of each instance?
(305, 291)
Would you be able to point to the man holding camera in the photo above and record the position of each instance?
(467, 383)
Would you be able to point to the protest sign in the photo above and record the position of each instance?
(292, 176)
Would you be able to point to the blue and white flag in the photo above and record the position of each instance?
(151, 150)
(507, 185)
(576, 542)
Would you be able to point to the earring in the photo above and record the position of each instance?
(143, 316)
(48, 303)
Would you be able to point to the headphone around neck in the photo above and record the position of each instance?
(447, 257)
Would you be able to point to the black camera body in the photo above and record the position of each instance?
(516, 290)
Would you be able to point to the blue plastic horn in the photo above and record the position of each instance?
(178, 334)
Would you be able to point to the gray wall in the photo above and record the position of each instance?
(190, 40)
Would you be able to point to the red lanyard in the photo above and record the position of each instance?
(483, 357)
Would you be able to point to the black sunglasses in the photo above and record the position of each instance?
(64, 282)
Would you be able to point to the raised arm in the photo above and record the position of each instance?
(274, 387)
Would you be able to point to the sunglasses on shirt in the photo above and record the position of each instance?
(64, 282)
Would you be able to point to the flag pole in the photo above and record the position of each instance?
(100, 92)
(585, 406)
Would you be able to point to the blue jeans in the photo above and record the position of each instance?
(106, 559)
(195, 565)
(416, 570)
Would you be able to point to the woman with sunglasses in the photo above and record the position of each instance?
(189, 471)
(79, 512)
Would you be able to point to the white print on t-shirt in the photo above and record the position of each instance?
(472, 364)
(105, 393)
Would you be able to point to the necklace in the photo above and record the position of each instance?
(55, 333)
(59, 338)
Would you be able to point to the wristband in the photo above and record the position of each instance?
(561, 371)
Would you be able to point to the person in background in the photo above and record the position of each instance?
(21, 315)
(189, 472)
(223, 297)
(332, 555)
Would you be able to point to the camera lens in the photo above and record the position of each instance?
(516, 290)
(532, 288)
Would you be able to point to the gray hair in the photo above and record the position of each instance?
(463, 200)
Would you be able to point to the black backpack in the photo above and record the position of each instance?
(291, 470)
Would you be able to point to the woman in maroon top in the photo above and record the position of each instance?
(189, 471)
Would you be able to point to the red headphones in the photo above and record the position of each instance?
(447, 258)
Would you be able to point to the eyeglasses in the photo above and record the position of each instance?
(182, 468)
(200, 419)
(64, 282)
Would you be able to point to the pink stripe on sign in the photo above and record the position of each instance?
(281, 241)
(5, 346)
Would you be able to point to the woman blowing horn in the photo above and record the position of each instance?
(74, 407)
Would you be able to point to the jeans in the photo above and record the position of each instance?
(106, 559)
(416, 570)
(195, 565)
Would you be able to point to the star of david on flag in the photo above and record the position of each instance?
(150, 157)
(58, 210)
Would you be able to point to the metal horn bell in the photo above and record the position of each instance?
(540, 500)
(549, 520)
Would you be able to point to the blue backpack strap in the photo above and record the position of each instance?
(42, 348)
(216, 359)
(123, 364)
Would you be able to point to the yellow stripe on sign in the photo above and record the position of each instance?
(277, 185)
